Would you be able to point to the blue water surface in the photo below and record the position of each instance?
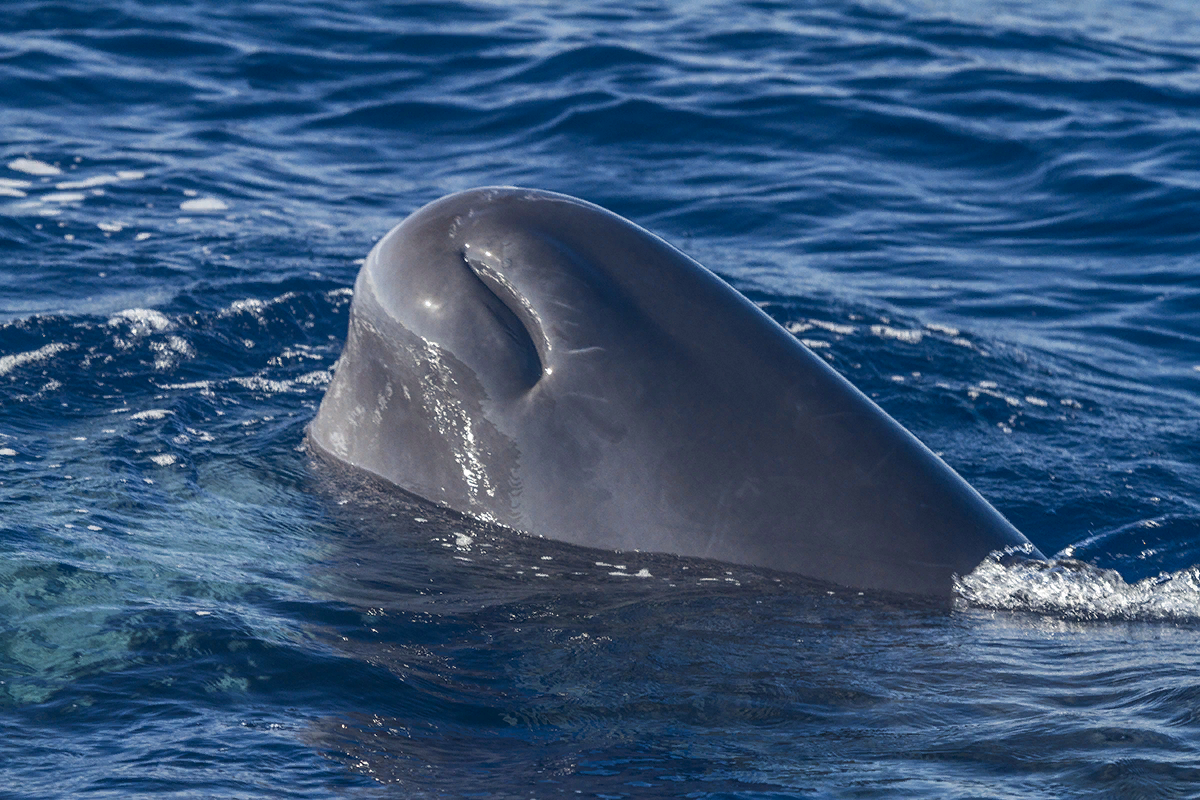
(986, 214)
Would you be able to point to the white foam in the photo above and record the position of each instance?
(13, 183)
(163, 459)
(8, 191)
(1076, 590)
(202, 385)
(203, 436)
(832, 327)
(31, 166)
(318, 378)
(888, 332)
(152, 414)
(7, 451)
(251, 305)
(141, 237)
(203, 204)
(110, 227)
(257, 383)
(142, 320)
(167, 354)
(9, 363)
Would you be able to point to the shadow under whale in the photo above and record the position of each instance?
(536, 361)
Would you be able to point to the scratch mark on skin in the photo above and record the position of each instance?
(588, 397)
(883, 460)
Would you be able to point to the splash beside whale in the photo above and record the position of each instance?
(536, 361)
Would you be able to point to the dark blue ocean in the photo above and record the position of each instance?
(985, 213)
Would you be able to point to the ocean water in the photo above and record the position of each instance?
(986, 214)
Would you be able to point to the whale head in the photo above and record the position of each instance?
(538, 362)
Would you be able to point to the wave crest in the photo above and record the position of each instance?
(1077, 590)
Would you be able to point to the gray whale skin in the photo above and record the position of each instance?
(536, 361)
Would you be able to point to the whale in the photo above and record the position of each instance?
(535, 361)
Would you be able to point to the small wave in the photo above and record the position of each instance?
(1077, 590)
(9, 363)
(908, 336)
(152, 414)
(141, 321)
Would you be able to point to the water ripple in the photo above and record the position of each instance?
(983, 213)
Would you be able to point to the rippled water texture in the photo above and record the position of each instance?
(985, 214)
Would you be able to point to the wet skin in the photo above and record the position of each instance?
(538, 362)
